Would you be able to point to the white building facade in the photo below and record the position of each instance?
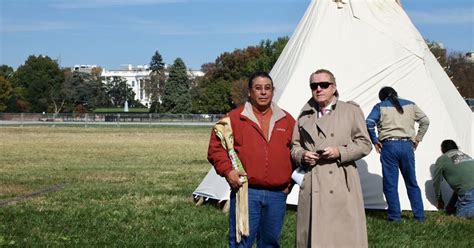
(135, 77)
(84, 68)
(469, 57)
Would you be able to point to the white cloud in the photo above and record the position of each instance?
(220, 30)
(94, 4)
(34, 27)
(444, 16)
(261, 29)
(162, 28)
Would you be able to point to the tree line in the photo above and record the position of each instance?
(40, 85)
(459, 69)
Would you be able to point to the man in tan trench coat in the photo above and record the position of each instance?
(330, 135)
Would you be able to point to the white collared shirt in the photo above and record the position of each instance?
(327, 108)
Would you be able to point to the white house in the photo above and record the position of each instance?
(192, 74)
(470, 57)
(84, 68)
(135, 77)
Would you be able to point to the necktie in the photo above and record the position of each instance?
(323, 111)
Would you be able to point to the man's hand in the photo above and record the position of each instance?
(415, 144)
(378, 147)
(287, 190)
(310, 158)
(233, 178)
(331, 153)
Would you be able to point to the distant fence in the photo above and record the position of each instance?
(108, 118)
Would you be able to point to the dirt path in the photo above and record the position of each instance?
(17, 199)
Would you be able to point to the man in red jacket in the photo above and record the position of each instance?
(262, 138)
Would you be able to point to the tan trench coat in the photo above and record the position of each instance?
(330, 205)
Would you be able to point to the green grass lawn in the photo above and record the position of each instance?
(132, 186)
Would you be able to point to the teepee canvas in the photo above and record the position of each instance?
(369, 44)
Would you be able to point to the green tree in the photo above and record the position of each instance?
(6, 88)
(239, 92)
(42, 80)
(211, 97)
(218, 98)
(461, 72)
(84, 91)
(156, 63)
(233, 69)
(177, 97)
(6, 92)
(439, 52)
(18, 102)
(119, 91)
(6, 71)
(154, 87)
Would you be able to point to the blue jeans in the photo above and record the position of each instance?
(395, 155)
(465, 205)
(266, 215)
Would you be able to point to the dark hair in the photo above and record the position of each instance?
(390, 94)
(332, 79)
(259, 74)
(447, 145)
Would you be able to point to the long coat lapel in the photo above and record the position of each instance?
(308, 118)
(307, 123)
(331, 194)
(324, 124)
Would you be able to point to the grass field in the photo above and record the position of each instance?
(132, 187)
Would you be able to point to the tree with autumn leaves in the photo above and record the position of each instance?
(224, 85)
(458, 68)
(40, 85)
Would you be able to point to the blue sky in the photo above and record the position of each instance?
(111, 33)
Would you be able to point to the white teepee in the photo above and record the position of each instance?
(369, 44)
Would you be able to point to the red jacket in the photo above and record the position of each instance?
(268, 164)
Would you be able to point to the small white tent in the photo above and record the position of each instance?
(369, 44)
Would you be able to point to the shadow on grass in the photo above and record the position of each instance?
(379, 214)
(222, 205)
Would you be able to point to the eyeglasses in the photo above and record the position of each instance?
(322, 85)
(263, 88)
